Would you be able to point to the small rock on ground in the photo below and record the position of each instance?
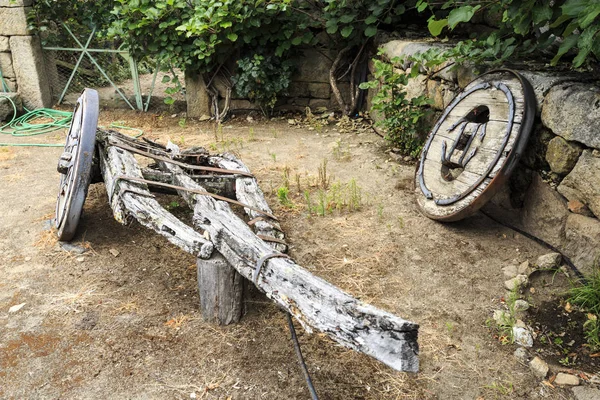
(522, 336)
(72, 248)
(539, 367)
(549, 261)
(519, 281)
(586, 393)
(524, 268)
(521, 305)
(563, 379)
(510, 271)
(521, 354)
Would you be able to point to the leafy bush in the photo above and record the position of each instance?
(527, 27)
(262, 79)
(402, 116)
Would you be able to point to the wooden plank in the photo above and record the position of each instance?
(133, 200)
(248, 191)
(314, 302)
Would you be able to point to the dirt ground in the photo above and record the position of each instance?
(121, 320)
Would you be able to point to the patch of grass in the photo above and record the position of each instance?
(591, 330)
(339, 197)
(506, 322)
(503, 388)
(182, 122)
(587, 296)
(273, 156)
(251, 137)
(341, 151)
(323, 180)
(282, 196)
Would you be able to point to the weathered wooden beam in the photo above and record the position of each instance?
(133, 200)
(248, 191)
(223, 185)
(310, 299)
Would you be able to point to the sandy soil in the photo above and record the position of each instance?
(121, 320)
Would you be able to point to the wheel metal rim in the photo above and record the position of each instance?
(75, 164)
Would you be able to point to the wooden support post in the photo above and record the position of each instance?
(221, 290)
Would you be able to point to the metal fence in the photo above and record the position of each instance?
(76, 60)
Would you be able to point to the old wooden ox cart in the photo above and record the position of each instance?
(229, 247)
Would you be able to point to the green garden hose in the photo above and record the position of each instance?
(53, 120)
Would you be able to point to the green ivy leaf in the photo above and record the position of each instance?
(370, 31)
(436, 27)
(585, 44)
(347, 18)
(566, 45)
(371, 19)
(347, 31)
(421, 5)
(461, 14)
(232, 36)
(297, 40)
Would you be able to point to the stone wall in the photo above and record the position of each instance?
(555, 192)
(21, 60)
(309, 87)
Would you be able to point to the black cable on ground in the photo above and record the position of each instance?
(311, 388)
(536, 239)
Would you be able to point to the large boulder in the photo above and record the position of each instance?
(573, 111)
(583, 182)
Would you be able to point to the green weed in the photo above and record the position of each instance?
(283, 197)
(591, 330)
(323, 180)
(587, 296)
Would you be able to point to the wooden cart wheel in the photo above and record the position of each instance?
(475, 145)
(75, 164)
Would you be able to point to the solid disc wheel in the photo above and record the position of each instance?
(475, 145)
(75, 164)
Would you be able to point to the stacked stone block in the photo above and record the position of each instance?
(21, 60)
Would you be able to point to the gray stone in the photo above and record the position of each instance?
(542, 82)
(521, 305)
(7, 110)
(319, 90)
(524, 268)
(549, 261)
(581, 242)
(312, 67)
(72, 248)
(510, 271)
(501, 316)
(399, 48)
(544, 212)
(6, 65)
(519, 282)
(416, 87)
(562, 155)
(28, 62)
(522, 336)
(447, 71)
(242, 104)
(573, 111)
(586, 393)
(4, 46)
(434, 92)
(12, 84)
(318, 103)
(465, 74)
(521, 354)
(14, 21)
(563, 379)
(197, 97)
(15, 3)
(539, 367)
(298, 89)
(583, 183)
